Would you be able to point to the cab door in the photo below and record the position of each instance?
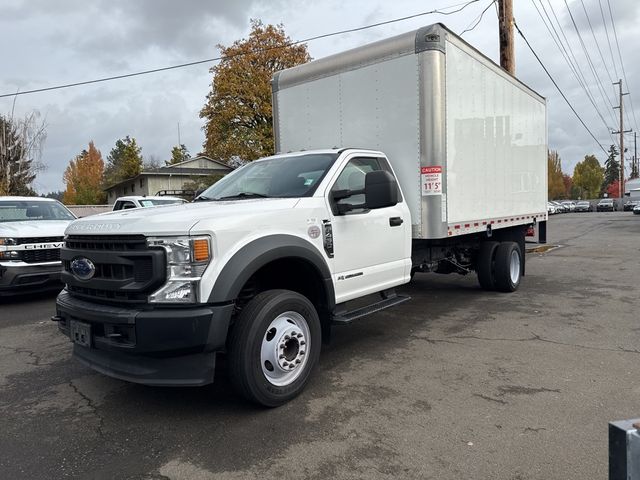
(371, 247)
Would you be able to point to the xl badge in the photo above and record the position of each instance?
(83, 268)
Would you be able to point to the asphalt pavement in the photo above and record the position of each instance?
(459, 383)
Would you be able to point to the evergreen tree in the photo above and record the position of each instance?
(611, 169)
(179, 153)
(124, 161)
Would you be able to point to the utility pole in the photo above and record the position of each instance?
(505, 26)
(635, 153)
(622, 131)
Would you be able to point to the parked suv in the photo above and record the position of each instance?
(31, 235)
(124, 203)
(606, 205)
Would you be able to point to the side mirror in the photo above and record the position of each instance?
(380, 189)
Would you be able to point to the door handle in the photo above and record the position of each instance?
(395, 221)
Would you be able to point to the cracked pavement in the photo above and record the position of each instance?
(456, 384)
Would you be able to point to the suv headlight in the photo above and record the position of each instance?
(5, 251)
(187, 259)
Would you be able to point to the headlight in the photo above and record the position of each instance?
(187, 259)
(5, 252)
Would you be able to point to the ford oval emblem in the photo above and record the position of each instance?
(83, 268)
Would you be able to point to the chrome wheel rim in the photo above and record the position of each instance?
(285, 348)
(514, 268)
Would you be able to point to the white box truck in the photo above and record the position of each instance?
(415, 153)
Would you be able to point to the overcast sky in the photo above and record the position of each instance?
(47, 43)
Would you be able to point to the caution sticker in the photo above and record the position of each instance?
(431, 180)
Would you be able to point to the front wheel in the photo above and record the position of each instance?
(274, 346)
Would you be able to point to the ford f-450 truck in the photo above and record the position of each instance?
(446, 172)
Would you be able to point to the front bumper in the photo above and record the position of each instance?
(152, 346)
(20, 277)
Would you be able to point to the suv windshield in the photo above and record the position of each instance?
(281, 177)
(28, 210)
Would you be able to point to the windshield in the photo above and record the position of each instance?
(27, 210)
(150, 202)
(281, 177)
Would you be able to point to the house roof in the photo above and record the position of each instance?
(198, 157)
(176, 169)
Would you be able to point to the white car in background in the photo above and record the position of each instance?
(31, 235)
(551, 208)
(124, 203)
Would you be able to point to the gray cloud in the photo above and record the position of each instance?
(66, 41)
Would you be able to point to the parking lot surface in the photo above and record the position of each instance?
(459, 383)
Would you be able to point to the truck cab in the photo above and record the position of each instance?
(259, 267)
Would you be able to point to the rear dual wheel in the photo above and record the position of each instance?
(499, 266)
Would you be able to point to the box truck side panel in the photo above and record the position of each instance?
(496, 142)
(374, 107)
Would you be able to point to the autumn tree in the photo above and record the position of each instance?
(124, 161)
(238, 108)
(587, 177)
(555, 184)
(613, 189)
(83, 178)
(21, 142)
(611, 169)
(567, 181)
(179, 153)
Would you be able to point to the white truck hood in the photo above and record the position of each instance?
(174, 219)
(34, 228)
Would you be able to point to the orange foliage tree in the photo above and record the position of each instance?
(238, 108)
(83, 178)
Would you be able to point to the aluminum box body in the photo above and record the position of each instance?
(467, 140)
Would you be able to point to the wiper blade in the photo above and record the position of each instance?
(243, 195)
(202, 198)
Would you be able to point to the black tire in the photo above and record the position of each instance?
(484, 264)
(247, 339)
(508, 267)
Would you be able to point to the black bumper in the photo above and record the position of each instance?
(158, 346)
(25, 278)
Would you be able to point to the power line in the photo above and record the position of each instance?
(588, 57)
(575, 60)
(606, 31)
(567, 57)
(557, 87)
(604, 63)
(216, 59)
(624, 74)
(476, 21)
